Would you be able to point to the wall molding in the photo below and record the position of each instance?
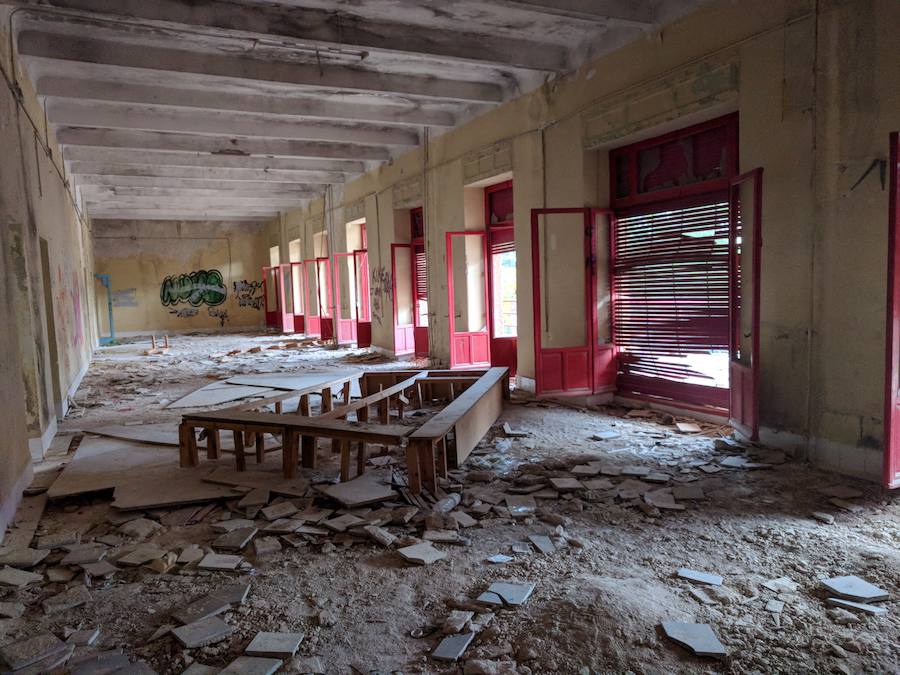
(486, 162)
(408, 193)
(707, 84)
(11, 502)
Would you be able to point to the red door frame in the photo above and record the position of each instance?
(472, 339)
(327, 319)
(743, 380)
(363, 308)
(891, 469)
(313, 321)
(299, 321)
(403, 334)
(503, 349)
(582, 369)
(346, 328)
(278, 317)
(417, 239)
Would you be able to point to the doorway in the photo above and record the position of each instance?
(467, 286)
(47, 279)
(501, 270)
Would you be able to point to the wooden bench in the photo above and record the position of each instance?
(469, 417)
(291, 428)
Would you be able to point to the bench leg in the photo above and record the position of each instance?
(212, 444)
(442, 457)
(248, 437)
(362, 415)
(425, 450)
(277, 407)
(289, 450)
(384, 411)
(412, 467)
(327, 400)
(345, 393)
(303, 406)
(240, 462)
(345, 459)
(361, 458)
(187, 446)
(309, 452)
(260, 448)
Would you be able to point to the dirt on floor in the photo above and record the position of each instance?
(600, 596)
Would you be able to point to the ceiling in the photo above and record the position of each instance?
(241, 109)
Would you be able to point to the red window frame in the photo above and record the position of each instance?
(891, 444)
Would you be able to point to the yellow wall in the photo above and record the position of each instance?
(140, 256)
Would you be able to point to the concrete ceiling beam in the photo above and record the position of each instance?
(86, 153)
(617, 12)
(275, 176)
(131, 214)
(237, 192)
(154, 140)
(185, 97)
(98, 114)
(193, 183)
(94, 204)
(157, 59)
(333, 30)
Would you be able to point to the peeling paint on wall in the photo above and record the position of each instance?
(124, 297)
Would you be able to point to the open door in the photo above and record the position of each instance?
(277, 287)
(892, 356)
(744, 257)
(467, 286)
(363, 311)
(324, 290)
(345, 297)
(562, 291)
(311, 298)
(297, 296)
(402, 294)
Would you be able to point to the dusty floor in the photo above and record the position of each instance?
(599, 598)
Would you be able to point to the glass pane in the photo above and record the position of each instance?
(312, 290)
(744, 249)
(601, 256)
(469, 280)
(271, 294)
(295, 253)
(403, 285)
(504, 286)
(561, 238)
(361, 274)
(297, 287)
(347, 290)
(287, 285)
(324, 287)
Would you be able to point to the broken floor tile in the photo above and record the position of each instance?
(710, 468)
(452, 647)
(264, 546)
(585, 470)
(100, 570)
(499, 559)
(256, 497)
(635, 470)
(775, 606)
(663, 499)
(854, 588)
(68, 599)
(201, 633)
(252, 665)
(823, 517)
(83, 555)
(85, 637)
(10, 576)
(140, 528)
(27, 651)
(23, 558)
(688, 493)
(521, 505)
(207, 606)
(105, 662)
(283, 526)
(631, 489)
(200, 669)
(841, 616)
(217, 561)
(141, 556)
(687, 427)
(235, 540)
(281, 510)
(276, 645)
(700, 577)
(442, 536)
(380, 535)
(701, 597)
(421, 554)
(857, 606)
(11, 610)
(190, 554)
(60, 574)
(231, 525)
(605, 435)
(598, 484)
(698, 637)
(841, 492)
(501, 593)
(456, 621)
(847, 506)
(781, 585)
(341, 523)
(566, 484)
(542, 543)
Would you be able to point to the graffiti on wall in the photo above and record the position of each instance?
(124, 297)
(201, 287)
(249, 293)
(185, 312)
(220, 314)
(382, 286)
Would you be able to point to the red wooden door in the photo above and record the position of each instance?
(402, 298)
(467, 287)
(325, 294)
(297, 295)
(563, 340)
(344, 297)
(744, 258)
(602, 338)
(892, 350)
(311, 298)
(277, 294)
(363, 311)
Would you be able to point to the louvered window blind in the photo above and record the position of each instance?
(670, 300)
